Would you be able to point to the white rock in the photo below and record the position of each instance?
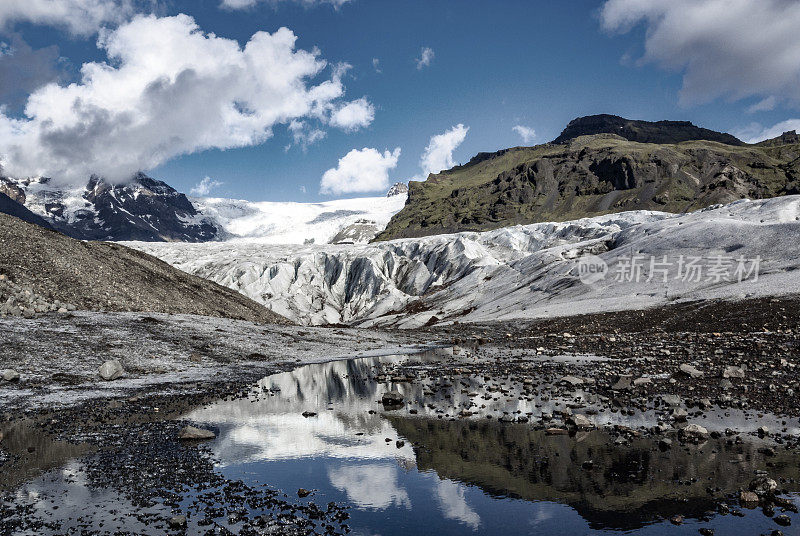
(111, 370)
(10, 375)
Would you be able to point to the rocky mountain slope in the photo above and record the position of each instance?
(51, 268)
(744, 249)
(637, 165)
(142, 209)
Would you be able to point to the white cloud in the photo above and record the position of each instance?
(365, 170)
(425, 58)
(764, 105)
(454, 505)
(205, 186)
(305, 135)
(244, 4)
(438, 154)
(755, 132)
(526, 133)
(353, 115)
(370, 486)
(727, 48)
(168, 89)
(80, 17)
(376, 64)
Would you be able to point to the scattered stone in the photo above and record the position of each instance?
(392, 399)
(676, 520)
(177, 522)
(623, 383)
(694, 432)
(748, 497)
(665, 444)
(556, 431)
(303, 493)
(783, 520)
(192, 433)
(691, 371)
(10, 375)
(763, 485)
(579, 421)
(574, 381)
(308, 414)
(111, 370)
(733, 372)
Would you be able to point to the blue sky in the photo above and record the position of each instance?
(496, 65)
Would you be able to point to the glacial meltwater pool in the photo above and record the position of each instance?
(438, 465)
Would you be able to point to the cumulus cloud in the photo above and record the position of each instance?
(376, 64)
(756, 132)
(726, 48)
(168, 89)
(80, 17)
(244, 4)
(526, 133)
(438, 154)
(365, 170)
(353, 115)
(205, 186)
(425, 58)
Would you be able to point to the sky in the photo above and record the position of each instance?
(308, 100)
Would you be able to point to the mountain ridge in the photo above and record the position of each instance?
(595, 174)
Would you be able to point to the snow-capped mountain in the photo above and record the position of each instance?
(150, 210)
(744, 249)
(141, 209)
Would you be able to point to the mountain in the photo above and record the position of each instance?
(102, 276)
(597, 174)
(141, 209)
(641, 131)
(150, 210)
(516, 272)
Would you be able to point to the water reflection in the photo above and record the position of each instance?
(428, 472)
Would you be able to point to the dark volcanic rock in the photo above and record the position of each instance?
(641, 131)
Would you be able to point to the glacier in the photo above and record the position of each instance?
(520, 272)
(356, 220)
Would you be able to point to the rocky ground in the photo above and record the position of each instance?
(717, 372)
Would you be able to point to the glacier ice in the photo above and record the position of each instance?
(525, 271)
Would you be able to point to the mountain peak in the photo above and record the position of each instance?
(397, 188)
(642, 131)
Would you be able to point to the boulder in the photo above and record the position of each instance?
(579, 421)
(111, 370)
(622, 383)
(574, 381)
(10, 375)
(392, 399)
(694, 432)
(192, 433)
(690, 371)
(733, 372)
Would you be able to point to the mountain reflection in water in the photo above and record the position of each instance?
(450, 475)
